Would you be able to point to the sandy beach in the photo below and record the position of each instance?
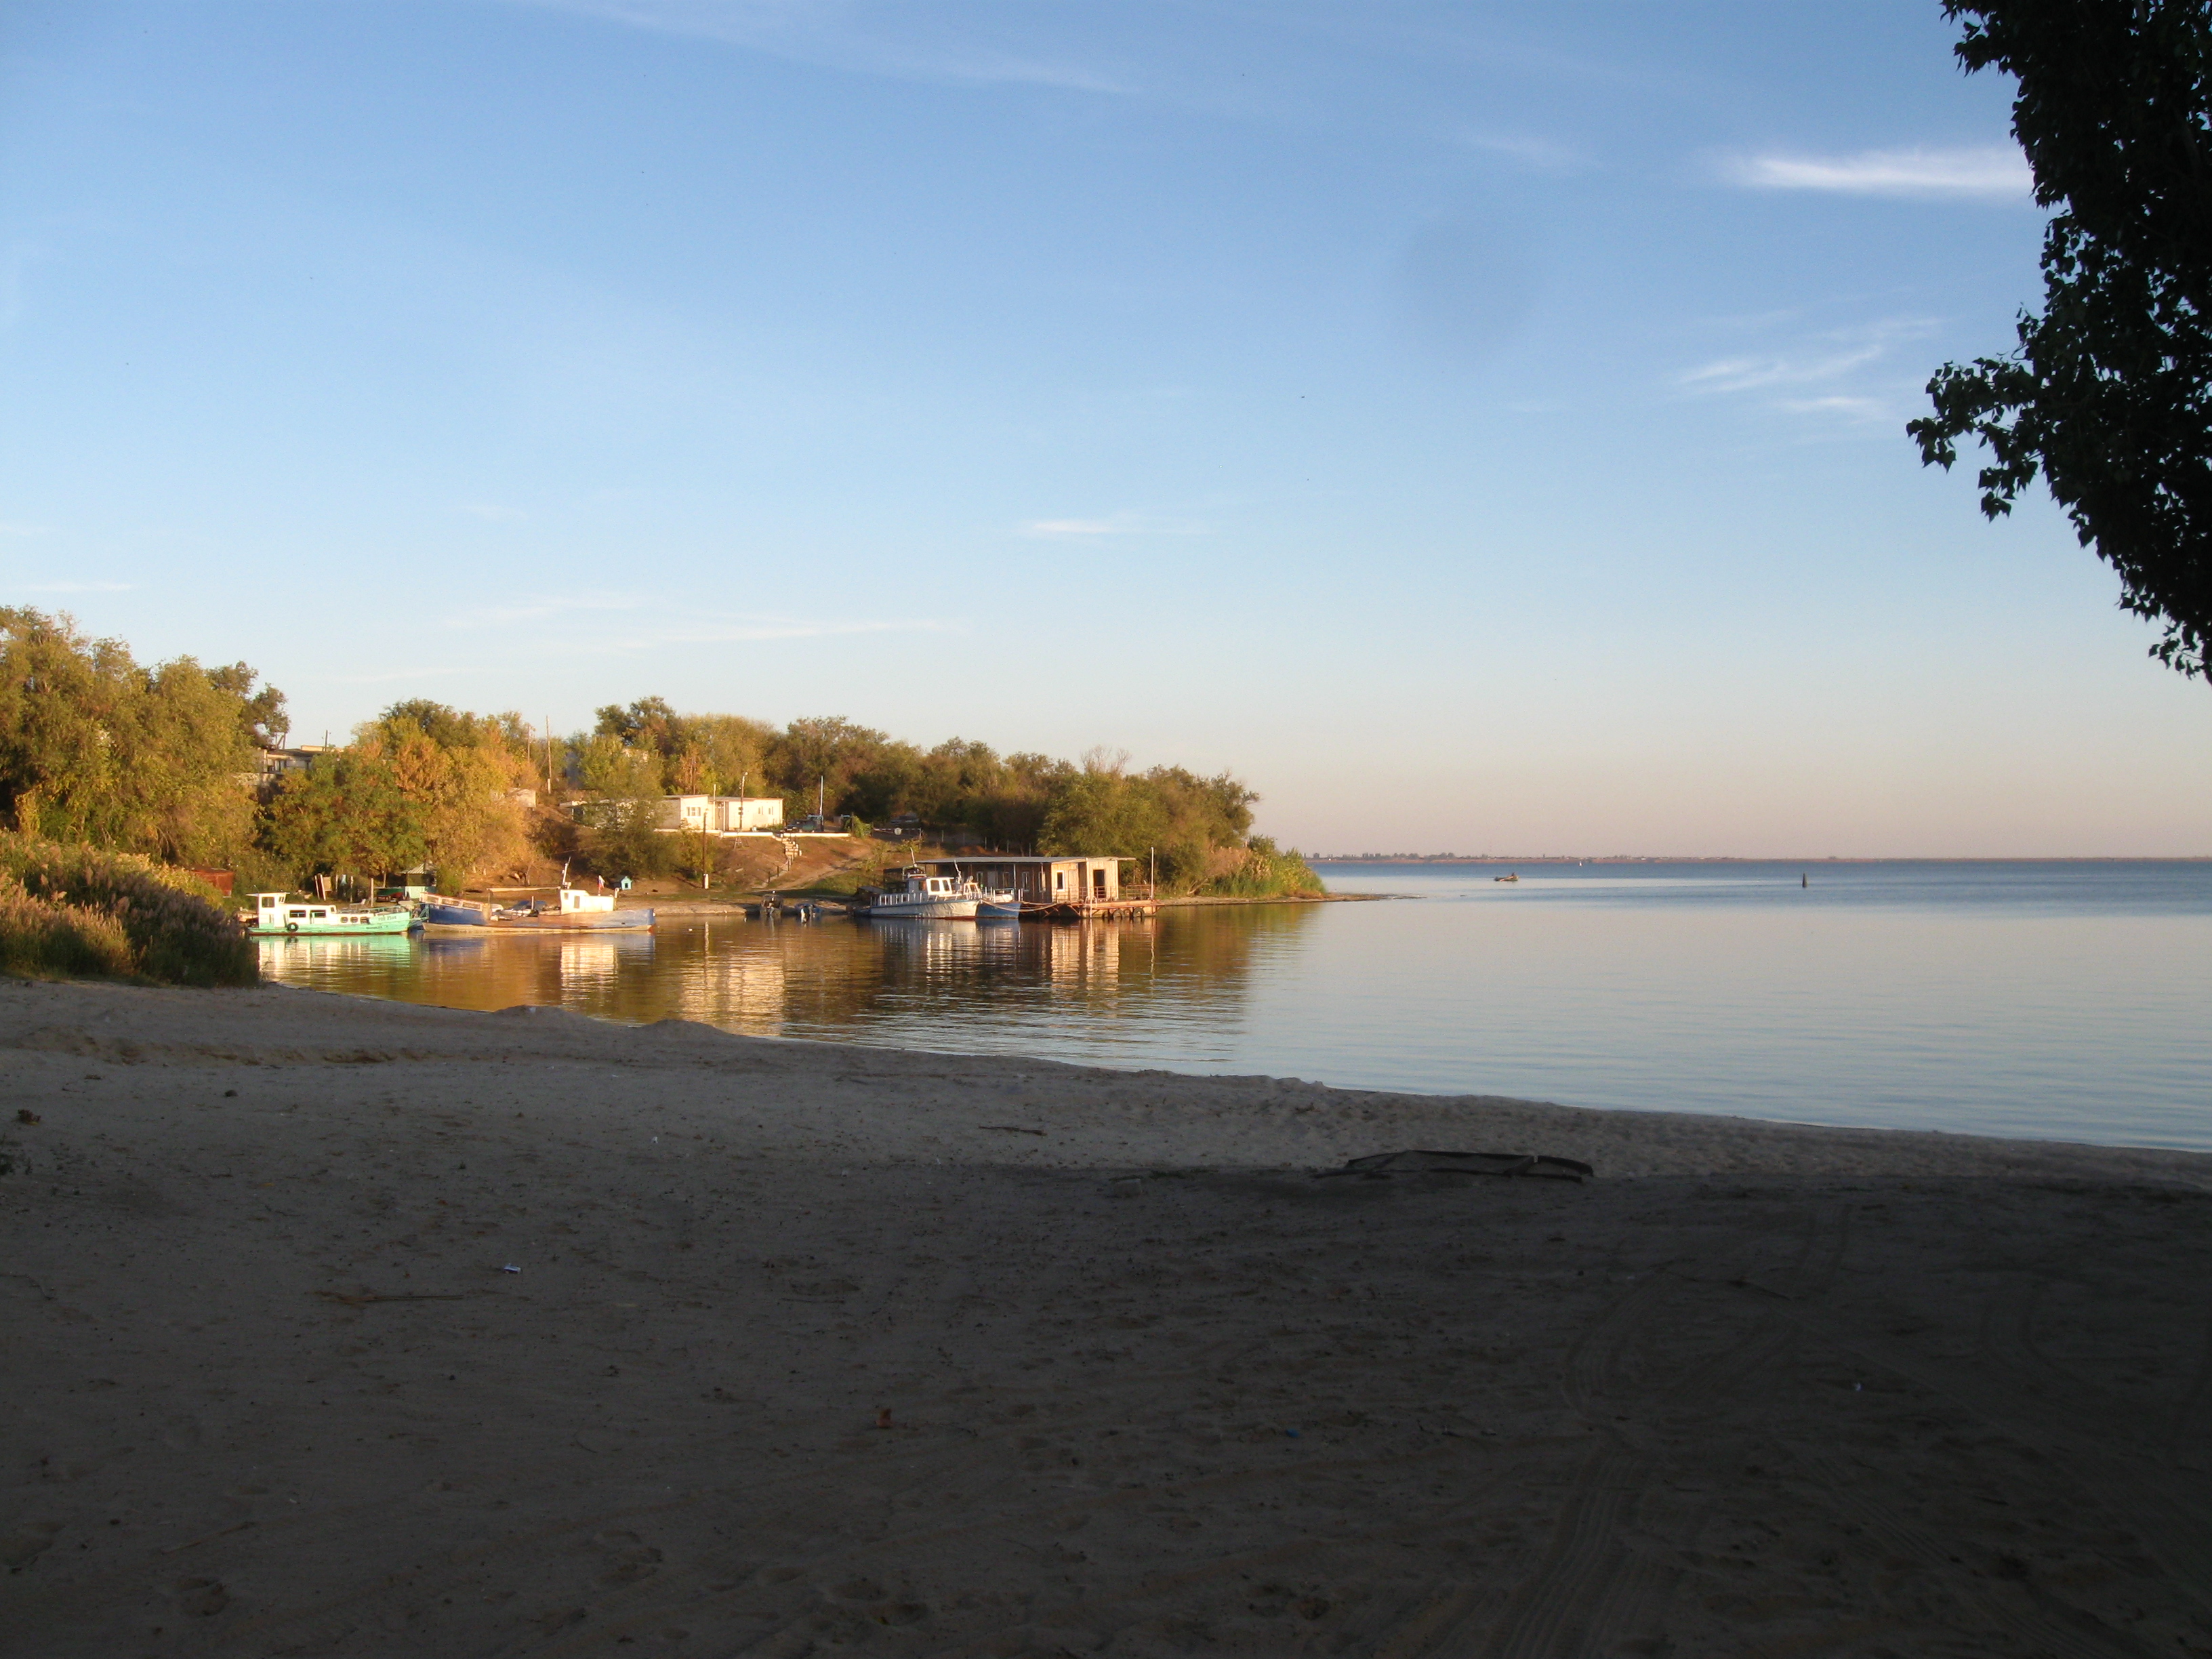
(341, 1327)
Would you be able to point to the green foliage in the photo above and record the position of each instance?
(64, 908)
(346, 813)
(2108, 394)
(1194, 826)
(94, 747)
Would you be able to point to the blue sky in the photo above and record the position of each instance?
(1478, 426)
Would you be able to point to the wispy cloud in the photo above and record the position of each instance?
(902, 42)
(746, 633)
(1863, 410)
(1996, 171)
(1543, 155)
(1118, 523)
(80, 587)
(1824, 357)
(590, 624)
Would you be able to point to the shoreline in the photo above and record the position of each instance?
(702, 905)
(333, 1319)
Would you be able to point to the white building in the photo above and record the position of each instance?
(722, 815)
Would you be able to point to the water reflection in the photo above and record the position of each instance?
(1096, 990)
(2056, 1016)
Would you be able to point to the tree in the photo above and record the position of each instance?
(2108, 395)
(347, 814)
(96, 749)
(824, 752)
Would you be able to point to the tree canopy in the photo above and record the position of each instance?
(96, 749)
(422, 783)
(2108, 393)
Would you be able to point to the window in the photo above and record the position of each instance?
(1059, 880)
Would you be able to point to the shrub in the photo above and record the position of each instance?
(170, 926)
(1262, 871)
(39, 941)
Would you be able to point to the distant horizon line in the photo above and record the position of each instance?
(1757, 857)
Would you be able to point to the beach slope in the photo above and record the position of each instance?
(339, 1326)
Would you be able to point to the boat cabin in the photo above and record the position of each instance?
(574, 899)
(275, 913)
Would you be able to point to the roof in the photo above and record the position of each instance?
(1025, 858)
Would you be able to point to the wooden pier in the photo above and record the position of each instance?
(1115, 909)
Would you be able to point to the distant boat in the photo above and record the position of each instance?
(577, 911)
(276, 915)
(943, 899)
(1516, 876)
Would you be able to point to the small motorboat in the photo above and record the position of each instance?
(1516, 876)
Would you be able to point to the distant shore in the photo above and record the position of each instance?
(330, 1318)
(1737, 857)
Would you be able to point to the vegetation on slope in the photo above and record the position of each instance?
(165, 762)
(70, 910)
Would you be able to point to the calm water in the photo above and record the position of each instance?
(2067, 1000)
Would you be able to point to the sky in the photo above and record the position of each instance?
(1480, 427)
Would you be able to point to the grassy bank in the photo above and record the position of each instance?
(1263, 870)
(73, 912)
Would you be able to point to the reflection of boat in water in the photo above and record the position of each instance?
(576, 910)
(276, 915)
(942, 898)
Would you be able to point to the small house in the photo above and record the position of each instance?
(1091, 879)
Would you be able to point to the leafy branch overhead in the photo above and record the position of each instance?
(2108, 394)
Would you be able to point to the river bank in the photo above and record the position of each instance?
(338, 1326)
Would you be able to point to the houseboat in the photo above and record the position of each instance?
(280, 915)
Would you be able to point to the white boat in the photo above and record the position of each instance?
(940, 898)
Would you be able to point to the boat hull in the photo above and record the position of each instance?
(601, 922)
(929, 908)
(442, 914)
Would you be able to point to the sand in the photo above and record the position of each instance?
(337, 1327)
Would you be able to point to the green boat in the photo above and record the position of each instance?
(278, 915)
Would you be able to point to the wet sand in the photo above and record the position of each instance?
(1150, 1389)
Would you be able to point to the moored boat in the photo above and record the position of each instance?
(280, 915)
(941, 898)
(576, 911)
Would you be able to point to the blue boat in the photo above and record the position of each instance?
(577, 911)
